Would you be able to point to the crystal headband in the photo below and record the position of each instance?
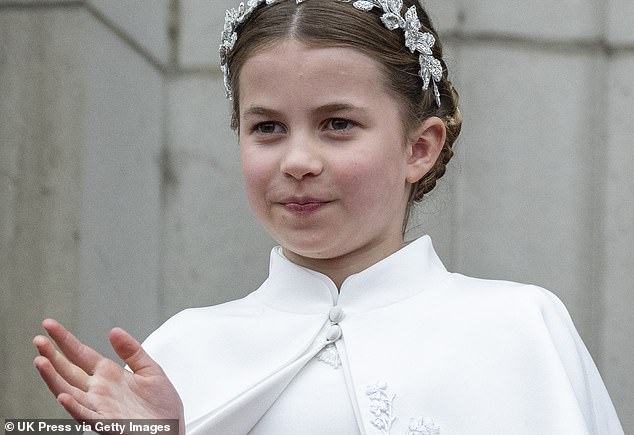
(415, 40)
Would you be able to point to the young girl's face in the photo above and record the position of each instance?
(323, 153)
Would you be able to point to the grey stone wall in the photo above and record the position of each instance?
(121, 199)
(81, 138)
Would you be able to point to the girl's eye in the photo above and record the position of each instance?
(268, 128)
(339, 124)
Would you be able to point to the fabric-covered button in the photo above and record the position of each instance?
(333, 333)
(336, 315)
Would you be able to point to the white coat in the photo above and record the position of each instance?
(422, 352)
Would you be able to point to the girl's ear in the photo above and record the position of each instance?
(425, 145)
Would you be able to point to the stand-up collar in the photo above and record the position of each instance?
(411, 270)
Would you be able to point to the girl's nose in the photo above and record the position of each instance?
(302, 159)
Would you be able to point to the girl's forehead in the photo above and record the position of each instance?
(291, 68)
(293, 59)
(292, 53)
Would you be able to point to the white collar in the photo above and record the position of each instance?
(411, 270)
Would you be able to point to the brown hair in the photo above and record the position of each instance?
(333, 23)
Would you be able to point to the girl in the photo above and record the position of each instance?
(346, 117)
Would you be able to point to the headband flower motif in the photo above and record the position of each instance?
(415, 40)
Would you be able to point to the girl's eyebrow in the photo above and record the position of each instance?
(340, 107)
(326, 108)
(260, 111)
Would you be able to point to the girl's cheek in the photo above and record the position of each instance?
(256, 173)
(252, 178)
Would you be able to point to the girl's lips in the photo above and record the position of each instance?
(309, 207)
(303, 206)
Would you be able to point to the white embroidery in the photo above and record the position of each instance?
(381, 407)
(423, 426)
(330, 356)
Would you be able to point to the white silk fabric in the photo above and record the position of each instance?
(423, 352)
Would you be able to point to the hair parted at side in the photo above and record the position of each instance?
(334, 23)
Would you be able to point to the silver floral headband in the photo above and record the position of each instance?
(415, 40)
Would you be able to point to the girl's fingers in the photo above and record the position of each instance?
(56, 383)
(78, 353)
(130, 351)
(70, 372)
(76, 409)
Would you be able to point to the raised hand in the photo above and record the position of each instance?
(90, 386)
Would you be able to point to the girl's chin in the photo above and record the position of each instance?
(320, 244)
(305, 253)
(322, 250)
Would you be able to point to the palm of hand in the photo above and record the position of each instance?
(116, 392)
(90, 386)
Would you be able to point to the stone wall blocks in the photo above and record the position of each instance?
(446, 16)
(33, 2)
(121, 197)
(146, 22)
(541, 19)
(199, 119)
(40, 174)
(202, 22)
(618, 243)
(620, 19)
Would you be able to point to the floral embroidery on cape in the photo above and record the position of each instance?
(382, 410)
(423, 426)
(330, 356)
(381, 406)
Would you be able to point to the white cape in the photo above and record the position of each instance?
(463, 356)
